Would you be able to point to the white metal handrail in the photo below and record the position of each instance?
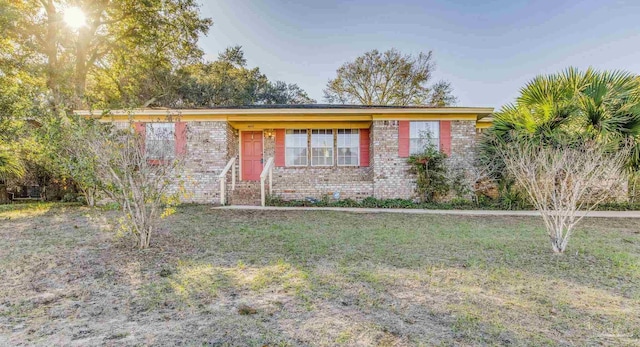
(223, 179)
(266, 171)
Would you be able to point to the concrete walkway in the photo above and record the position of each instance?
(601, 214)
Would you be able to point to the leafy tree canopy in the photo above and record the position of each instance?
(226, 81)
(145, 33)
(119, 54)
(389, 78)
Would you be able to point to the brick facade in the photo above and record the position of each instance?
(391, 178)
(210, 145)
(391, 173)
(298, 183)
(209, 148)
(463, 143)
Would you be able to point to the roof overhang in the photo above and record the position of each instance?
(485, 122)
(239, 116)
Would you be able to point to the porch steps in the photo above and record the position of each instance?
(246, 193)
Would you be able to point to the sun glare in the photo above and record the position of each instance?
(75, 18)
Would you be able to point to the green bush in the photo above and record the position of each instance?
(69, 197)
(431, 173)
(370, 202)
(484, 203)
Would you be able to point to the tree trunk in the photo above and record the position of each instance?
(90, 196)
(4, 197)
(558, 244)
(51, 51)
(81, 68)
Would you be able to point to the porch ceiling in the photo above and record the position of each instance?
(243, 125)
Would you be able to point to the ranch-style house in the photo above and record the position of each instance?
(240, 155)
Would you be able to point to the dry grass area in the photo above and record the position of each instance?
(238, 278)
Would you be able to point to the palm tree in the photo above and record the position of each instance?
(10, 165)
(573, 105)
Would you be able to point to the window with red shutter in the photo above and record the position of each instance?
(160, 142)
(181, 138)
(141, 130)
(279, 158)
(403, 138)
(445, 136)
(348, 147)
(364, 147)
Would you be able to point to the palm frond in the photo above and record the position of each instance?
(10, 165)
(574, 106)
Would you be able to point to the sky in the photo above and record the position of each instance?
(487, 49)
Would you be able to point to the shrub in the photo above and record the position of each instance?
(431, 173)
(70, 197)
(562, 180)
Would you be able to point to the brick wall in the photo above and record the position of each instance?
(391, 173)
(387, 177)
(232, 142)
(463, 143)
(391, 178)
(298, 183)
(209, 147)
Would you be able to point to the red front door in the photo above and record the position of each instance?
(251, 155)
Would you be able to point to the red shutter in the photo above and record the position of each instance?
(403, 139)
(364, 147)
(141, 130)
(181, 138)
(445, 136)
(279, 159)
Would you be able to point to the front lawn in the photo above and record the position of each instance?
(223, 277)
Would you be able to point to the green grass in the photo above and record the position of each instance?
(318, 278)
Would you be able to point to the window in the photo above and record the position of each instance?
(160, 141)
(296, 147)
(348, 147)
(420, 133)
(321, 147)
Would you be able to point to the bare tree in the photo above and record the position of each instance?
(564, 183)
(141, 173)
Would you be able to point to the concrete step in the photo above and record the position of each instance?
(245, 193)
(244, 202)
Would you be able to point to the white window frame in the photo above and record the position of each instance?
(287, 146)
(415, 129)
(151, 132)
(357, 147)
(331, 147)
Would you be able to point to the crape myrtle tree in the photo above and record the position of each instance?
(141, 167)
(564, 182)
(389, 78)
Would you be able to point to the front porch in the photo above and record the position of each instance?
(263, 165)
